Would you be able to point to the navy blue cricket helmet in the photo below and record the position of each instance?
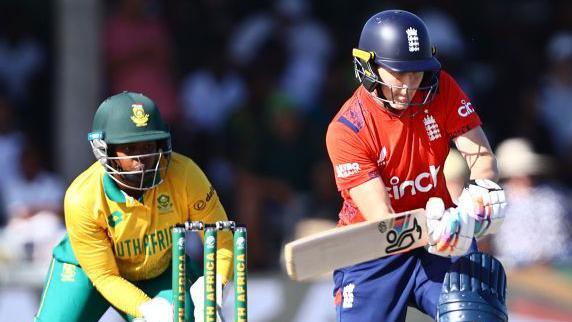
(399, 41)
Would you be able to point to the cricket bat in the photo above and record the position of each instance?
(326, 251)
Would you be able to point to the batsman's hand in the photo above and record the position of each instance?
(450, 231)
(485, 201)
(198, 297)
(157, 309)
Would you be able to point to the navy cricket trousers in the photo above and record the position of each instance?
(380, 290)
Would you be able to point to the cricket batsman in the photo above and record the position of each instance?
(119, 213)
(388, 144)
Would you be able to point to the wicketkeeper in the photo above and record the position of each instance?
(118, 212)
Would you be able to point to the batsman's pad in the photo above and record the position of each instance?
(474, 289)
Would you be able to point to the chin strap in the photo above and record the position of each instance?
(393, 111)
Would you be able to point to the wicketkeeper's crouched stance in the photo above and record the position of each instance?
(119, 214)
(388, 145)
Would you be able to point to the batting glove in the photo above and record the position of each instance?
(485, 201)
(157, 309)
(450, 233)
(198, 297)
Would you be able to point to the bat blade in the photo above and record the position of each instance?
(324, 252)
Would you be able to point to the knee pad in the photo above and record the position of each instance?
(474, 289)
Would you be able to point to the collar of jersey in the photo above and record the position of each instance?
(113, 192)
(111, 189)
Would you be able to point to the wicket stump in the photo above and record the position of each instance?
(209, 269)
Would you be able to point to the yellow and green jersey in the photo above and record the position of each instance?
(117, 239)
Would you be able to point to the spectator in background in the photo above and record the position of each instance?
(553, 105)
(445, 34)
(317, 209)
(211, 93)
(33, 200)
(11, 140)
(307, 43)
(273, 193)
(22, 56)
(243, 131)
(139, 55)
(309, 48)
(324, 200)
(285, 157)
(535, 229)
(34, 188)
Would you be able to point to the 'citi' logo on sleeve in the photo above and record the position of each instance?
(465, 109)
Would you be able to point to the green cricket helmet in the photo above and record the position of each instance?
(130, 118)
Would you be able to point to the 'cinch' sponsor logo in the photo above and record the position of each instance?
(423, 182)
(347, 169)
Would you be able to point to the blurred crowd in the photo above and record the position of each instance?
(249, 88)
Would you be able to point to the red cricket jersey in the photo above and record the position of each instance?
(365, 141)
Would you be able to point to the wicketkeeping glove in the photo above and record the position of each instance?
(485, 201)
(198, 297)
(450, 232)
(157, 309)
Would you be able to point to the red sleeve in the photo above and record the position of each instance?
(350, 158)
(461, 114)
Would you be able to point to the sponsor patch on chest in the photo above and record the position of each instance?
(423, 182)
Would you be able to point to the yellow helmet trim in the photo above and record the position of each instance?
(362, 54)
